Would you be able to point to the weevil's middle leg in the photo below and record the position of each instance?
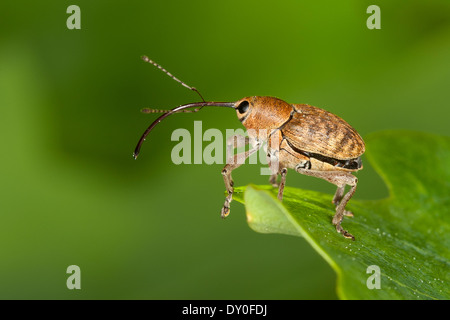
(273, 180)
(283, 173)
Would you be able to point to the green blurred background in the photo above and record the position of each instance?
(71, 192)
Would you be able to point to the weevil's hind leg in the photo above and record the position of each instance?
(234, 162)
(340, 179)
(337, 199)
(340, 211)
(338, 195)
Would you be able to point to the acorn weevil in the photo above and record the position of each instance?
(301, 137)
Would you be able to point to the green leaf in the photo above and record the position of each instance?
(406, 235)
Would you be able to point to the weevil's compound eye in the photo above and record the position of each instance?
(243, 107)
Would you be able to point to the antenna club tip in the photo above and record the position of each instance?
(145, 58)
(135, 155)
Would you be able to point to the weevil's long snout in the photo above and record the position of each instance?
(198, 105)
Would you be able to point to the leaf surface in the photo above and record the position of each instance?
(405, 236)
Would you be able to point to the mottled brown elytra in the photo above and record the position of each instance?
(301, 137)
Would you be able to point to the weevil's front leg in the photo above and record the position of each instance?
(234, 162)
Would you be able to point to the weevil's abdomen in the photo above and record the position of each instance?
(315, 130)
(294, 158)
(336, 165)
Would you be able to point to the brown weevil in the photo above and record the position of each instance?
(301, 137)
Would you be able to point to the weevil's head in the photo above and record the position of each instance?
(262, 112)
(254, 113)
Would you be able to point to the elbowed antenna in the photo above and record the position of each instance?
(182, 108)
(147, 59)
(175, 110)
